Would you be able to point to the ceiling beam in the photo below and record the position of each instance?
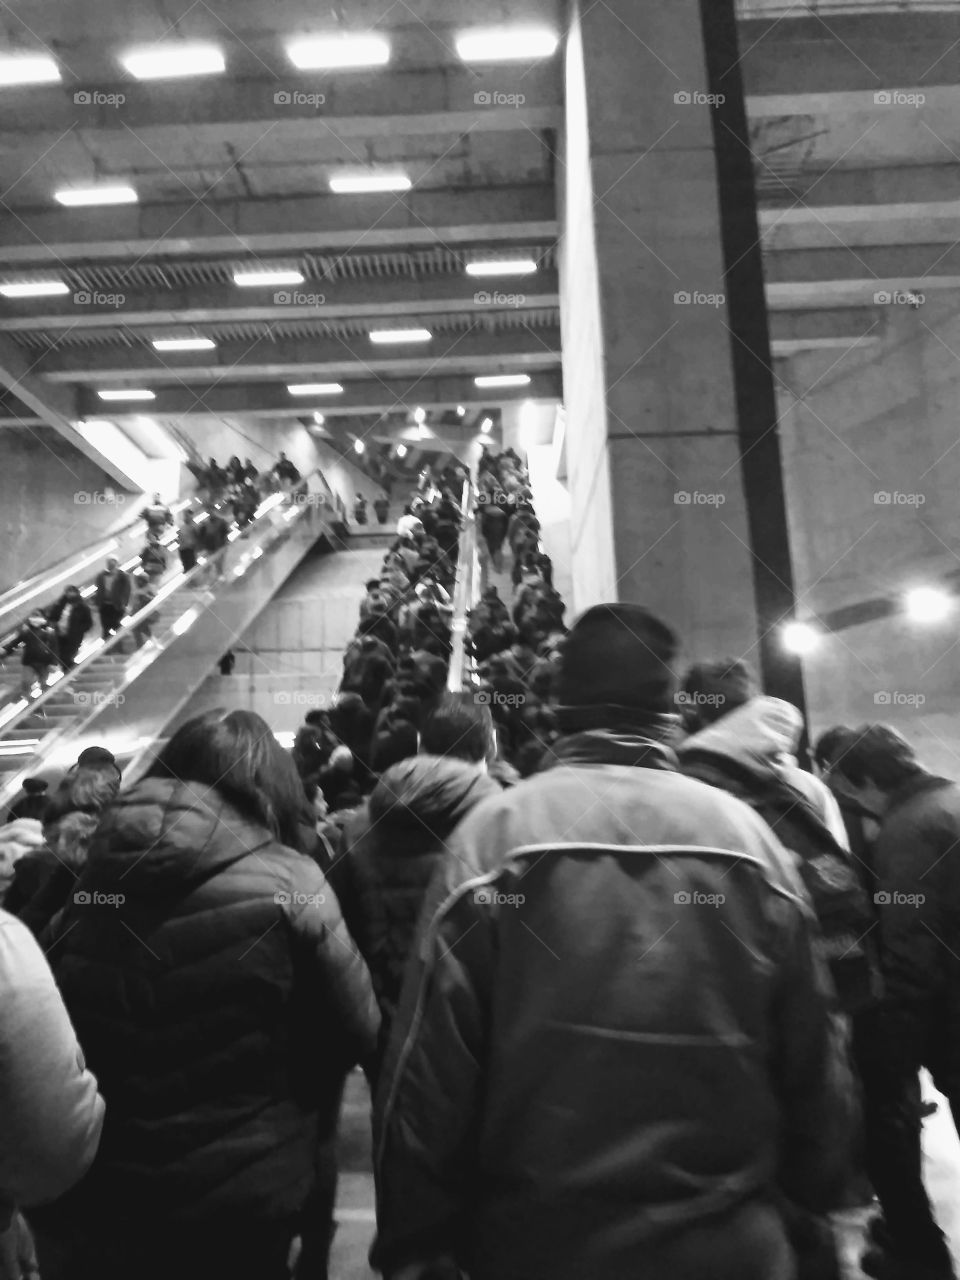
(315, 300)
(900, 184)
(917, 263)
(792, 331)
(272, 400)
(513, 349)
(281, 225)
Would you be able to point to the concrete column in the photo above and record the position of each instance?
(666, 359)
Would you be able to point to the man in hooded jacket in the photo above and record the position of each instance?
(614, 1051)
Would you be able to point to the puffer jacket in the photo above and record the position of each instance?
(220, 1001)
(614, 1045)
(392, 848)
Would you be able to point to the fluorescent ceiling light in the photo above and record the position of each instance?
(329, 53)
(75, 197)
(506, 44)
(28, 68)
(485, 425)
(365, 183)
(134, 393)
(461, 411)
(400, 335)
(423, 431)
(169, 61)
(800, 638)
(359, 446)
(419, 415)
(265, 277)
(318, 419)
(928, 604)
(315, 388)
(502, 380)
(34, 289)
(401, 450)
(502, 267)
(183, 344)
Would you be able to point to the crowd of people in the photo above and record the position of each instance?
(637, 995)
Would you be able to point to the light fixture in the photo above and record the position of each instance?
(28, 68)
(928, 604)
(34, 289)
(502, 380)
(801, 638)
(318, 419)
(365, 183)
(173, 61)
(265, 277)
(131, 393)
(331, 53)
(114, 193)
(419, 415)
(461, 411)
(400, 335)
(506, 44)
(359, 446)
(183, 344)
(502, 267)
(315, 388)
(485, 425)
(422, 431)
(401, 450)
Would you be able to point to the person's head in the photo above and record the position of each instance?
(372, 585)
(283, 457)
(112, 564)
(397, 740)
(462, 728)
(616, 669)
(711, 690)
(829, 747)
(157, 499)
(236, 754)
(72, 593)
(873, 763)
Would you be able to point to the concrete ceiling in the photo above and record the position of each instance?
(858, 195)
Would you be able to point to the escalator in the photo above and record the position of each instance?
(121, 696)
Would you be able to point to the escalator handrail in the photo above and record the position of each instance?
(465, 593)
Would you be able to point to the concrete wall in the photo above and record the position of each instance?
(53, 500)
(880, 421)
(262, 440)
(584, 376)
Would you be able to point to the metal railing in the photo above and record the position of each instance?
(466, 592)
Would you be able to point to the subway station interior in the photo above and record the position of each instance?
(384, 361)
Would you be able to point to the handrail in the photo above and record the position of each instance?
(465, 591)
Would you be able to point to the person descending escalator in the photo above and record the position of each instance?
(37, 641)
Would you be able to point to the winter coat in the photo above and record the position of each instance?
(153, 559)
(38, 646)
(221, 1002)
(79, 622)
(51, 1114)
(614, 1045)
(112, 591)
(392, 848)
(918, 897)
(748, 754)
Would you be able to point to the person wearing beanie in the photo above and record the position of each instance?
(33, 803)
(614, 1054)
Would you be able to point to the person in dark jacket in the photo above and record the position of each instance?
(188, 539)
(33, 803)
(71, 619)
(218, 997)
(918, 1022)
(614, 1051)
(111, 596)
(381, 505)
(37, 641)
(157, 515)
(861, 826)
(153, 557)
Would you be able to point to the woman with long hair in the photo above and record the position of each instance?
(221, 1003)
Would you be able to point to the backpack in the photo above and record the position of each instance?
(839, 899)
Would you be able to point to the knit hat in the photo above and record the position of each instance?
(713, 689)
(35, 786)
(93, 757)
(617, 658)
